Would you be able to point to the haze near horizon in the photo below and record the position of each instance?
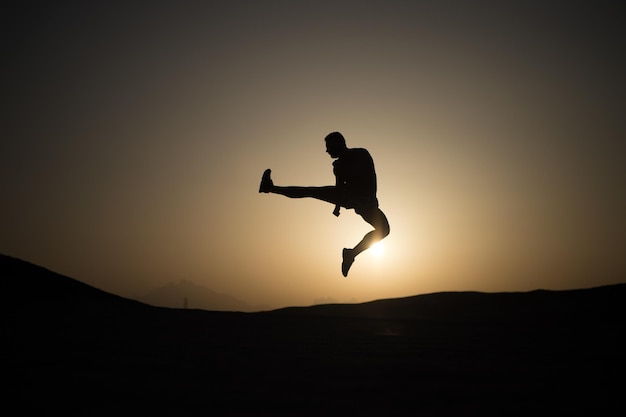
(136, 135)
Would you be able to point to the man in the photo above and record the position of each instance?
(355, 188)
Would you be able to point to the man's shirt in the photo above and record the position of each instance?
(356, 174)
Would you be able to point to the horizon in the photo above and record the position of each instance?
(227, 303)
(136, 136)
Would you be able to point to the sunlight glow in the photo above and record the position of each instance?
(377, 249)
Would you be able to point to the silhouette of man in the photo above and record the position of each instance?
(355, 188)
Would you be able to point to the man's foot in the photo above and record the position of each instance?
(348, 260)
(266, 182)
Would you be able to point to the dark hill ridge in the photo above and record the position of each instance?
(71, 348)
(27, 286)
(33, 285)
(605, 301)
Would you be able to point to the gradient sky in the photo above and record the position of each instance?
(134, 136)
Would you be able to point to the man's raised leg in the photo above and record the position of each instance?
(325, 193)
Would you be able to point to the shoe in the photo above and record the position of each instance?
(348, 260)
(266, 182)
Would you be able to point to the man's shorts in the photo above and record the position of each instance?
(360, 204)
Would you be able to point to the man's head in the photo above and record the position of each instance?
(335, 144)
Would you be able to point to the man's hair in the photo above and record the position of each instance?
(335, 138)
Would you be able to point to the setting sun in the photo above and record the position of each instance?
(377, 249)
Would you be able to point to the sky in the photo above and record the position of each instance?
(134, 136)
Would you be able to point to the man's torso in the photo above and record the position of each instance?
(355, 170)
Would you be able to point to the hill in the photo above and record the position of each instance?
(187, 294)
(30, 288)
(600, 303)
(71, 348)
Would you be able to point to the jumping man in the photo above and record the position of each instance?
(355, 188)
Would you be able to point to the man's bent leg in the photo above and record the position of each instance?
(376, 218)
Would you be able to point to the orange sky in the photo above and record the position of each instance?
(135, 139)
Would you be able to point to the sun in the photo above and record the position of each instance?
(377, 249)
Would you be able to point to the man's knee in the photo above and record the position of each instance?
(383, 224)
(384, 229)
(376, 218)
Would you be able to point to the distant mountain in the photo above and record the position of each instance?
(186, 294)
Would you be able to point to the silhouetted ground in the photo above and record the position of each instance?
(75, 350)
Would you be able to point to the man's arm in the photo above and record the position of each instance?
(337, 206)
(338, 185)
